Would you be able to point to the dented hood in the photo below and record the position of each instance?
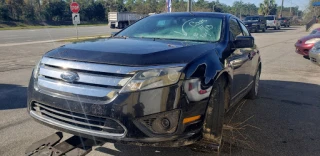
(132, 52)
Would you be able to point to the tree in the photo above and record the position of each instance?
(15, 8)
(268, 7)
(4, 13)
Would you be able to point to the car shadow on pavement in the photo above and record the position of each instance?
(12, 96)
(284, 117)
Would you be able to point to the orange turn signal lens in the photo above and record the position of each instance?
(191, 119)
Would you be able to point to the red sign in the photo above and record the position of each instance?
(74, 6)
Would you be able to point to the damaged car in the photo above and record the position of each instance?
(167, 80)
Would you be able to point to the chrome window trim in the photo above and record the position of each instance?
(74, 88)
(66, 64)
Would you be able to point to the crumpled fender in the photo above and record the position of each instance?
(212, 63)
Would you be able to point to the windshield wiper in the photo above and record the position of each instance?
(125, 37)
(180, 39)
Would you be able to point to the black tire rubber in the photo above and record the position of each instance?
(215, 112)
(252, 93)
(263, 29)
(275, 28)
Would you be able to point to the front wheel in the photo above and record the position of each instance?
(253, 93)
(214, 118)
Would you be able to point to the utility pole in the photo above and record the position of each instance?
(281, 9)
(189, 5)
(290, 8)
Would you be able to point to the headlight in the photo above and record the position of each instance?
(314, 40)
(154, 78)
(316, 48)
(36, 70)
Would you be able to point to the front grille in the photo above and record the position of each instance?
(78, 120)
(94, 80)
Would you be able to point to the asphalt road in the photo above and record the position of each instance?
(283, 121)
(34, 35)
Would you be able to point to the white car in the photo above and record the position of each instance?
(314, 54)
(273, 22)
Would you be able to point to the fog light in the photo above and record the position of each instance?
(165, 123)
(161, 123)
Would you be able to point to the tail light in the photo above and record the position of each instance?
(274, 21)
(285, 20)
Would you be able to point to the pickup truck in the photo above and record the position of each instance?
(167, 80)
(273, 22)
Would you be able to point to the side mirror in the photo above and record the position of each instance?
(243, 42)
(113, 33)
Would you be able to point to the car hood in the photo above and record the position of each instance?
(132, 51)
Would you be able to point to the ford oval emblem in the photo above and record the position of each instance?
(69, 76)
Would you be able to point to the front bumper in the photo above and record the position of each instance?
(303, 49)
(315, 58)
(252, 27)
(126, 109)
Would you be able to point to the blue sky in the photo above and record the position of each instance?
(287, 3)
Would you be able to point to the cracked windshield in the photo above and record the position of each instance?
(159, 77)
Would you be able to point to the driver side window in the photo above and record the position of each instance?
(244, 30)
(235, 29)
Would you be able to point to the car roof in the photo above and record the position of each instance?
(213, 14)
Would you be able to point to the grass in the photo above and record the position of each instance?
(41, 25)
(86, 38)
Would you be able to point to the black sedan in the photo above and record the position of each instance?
(166, 80)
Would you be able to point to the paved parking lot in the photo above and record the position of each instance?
(283, 121)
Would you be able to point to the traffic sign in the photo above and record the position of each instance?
(74, 7)
(76, 18)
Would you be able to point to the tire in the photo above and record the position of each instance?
(253, 93)
(275, 28)
(263, 29)
(214, 119)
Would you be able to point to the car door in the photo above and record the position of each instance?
(252, 55)
(239, 62)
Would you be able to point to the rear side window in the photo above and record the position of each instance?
(235, 29)
(270, 18)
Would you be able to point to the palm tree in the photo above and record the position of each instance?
(267, 6)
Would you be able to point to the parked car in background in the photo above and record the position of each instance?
(315, 31)
(273, 22)
(255, 23)
(285, 22)
(314, 54)
(167, 80)
(304, 44)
